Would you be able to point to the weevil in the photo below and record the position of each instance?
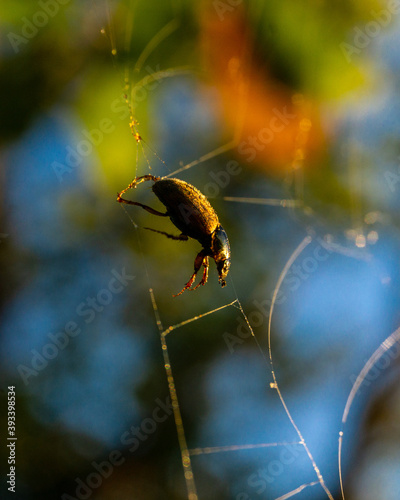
(191, 212)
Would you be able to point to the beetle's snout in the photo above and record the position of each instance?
(221, 253)
(223, 269)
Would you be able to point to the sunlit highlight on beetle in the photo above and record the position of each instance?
(191, 212)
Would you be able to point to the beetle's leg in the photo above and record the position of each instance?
(138, 180)
(198, 261)
(205, 274)
(133, 185)
(146, 207)
(180, 237)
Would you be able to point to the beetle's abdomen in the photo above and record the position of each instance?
(187, 208)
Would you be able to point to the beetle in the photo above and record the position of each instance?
(191, 212)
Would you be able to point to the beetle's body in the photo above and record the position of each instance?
(187, 208)
(191, 212)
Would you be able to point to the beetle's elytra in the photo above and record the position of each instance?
(191, 212)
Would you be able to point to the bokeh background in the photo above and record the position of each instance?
(282, 100)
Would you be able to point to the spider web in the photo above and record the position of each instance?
(169, 324)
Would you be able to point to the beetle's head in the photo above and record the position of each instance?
(221, 253)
